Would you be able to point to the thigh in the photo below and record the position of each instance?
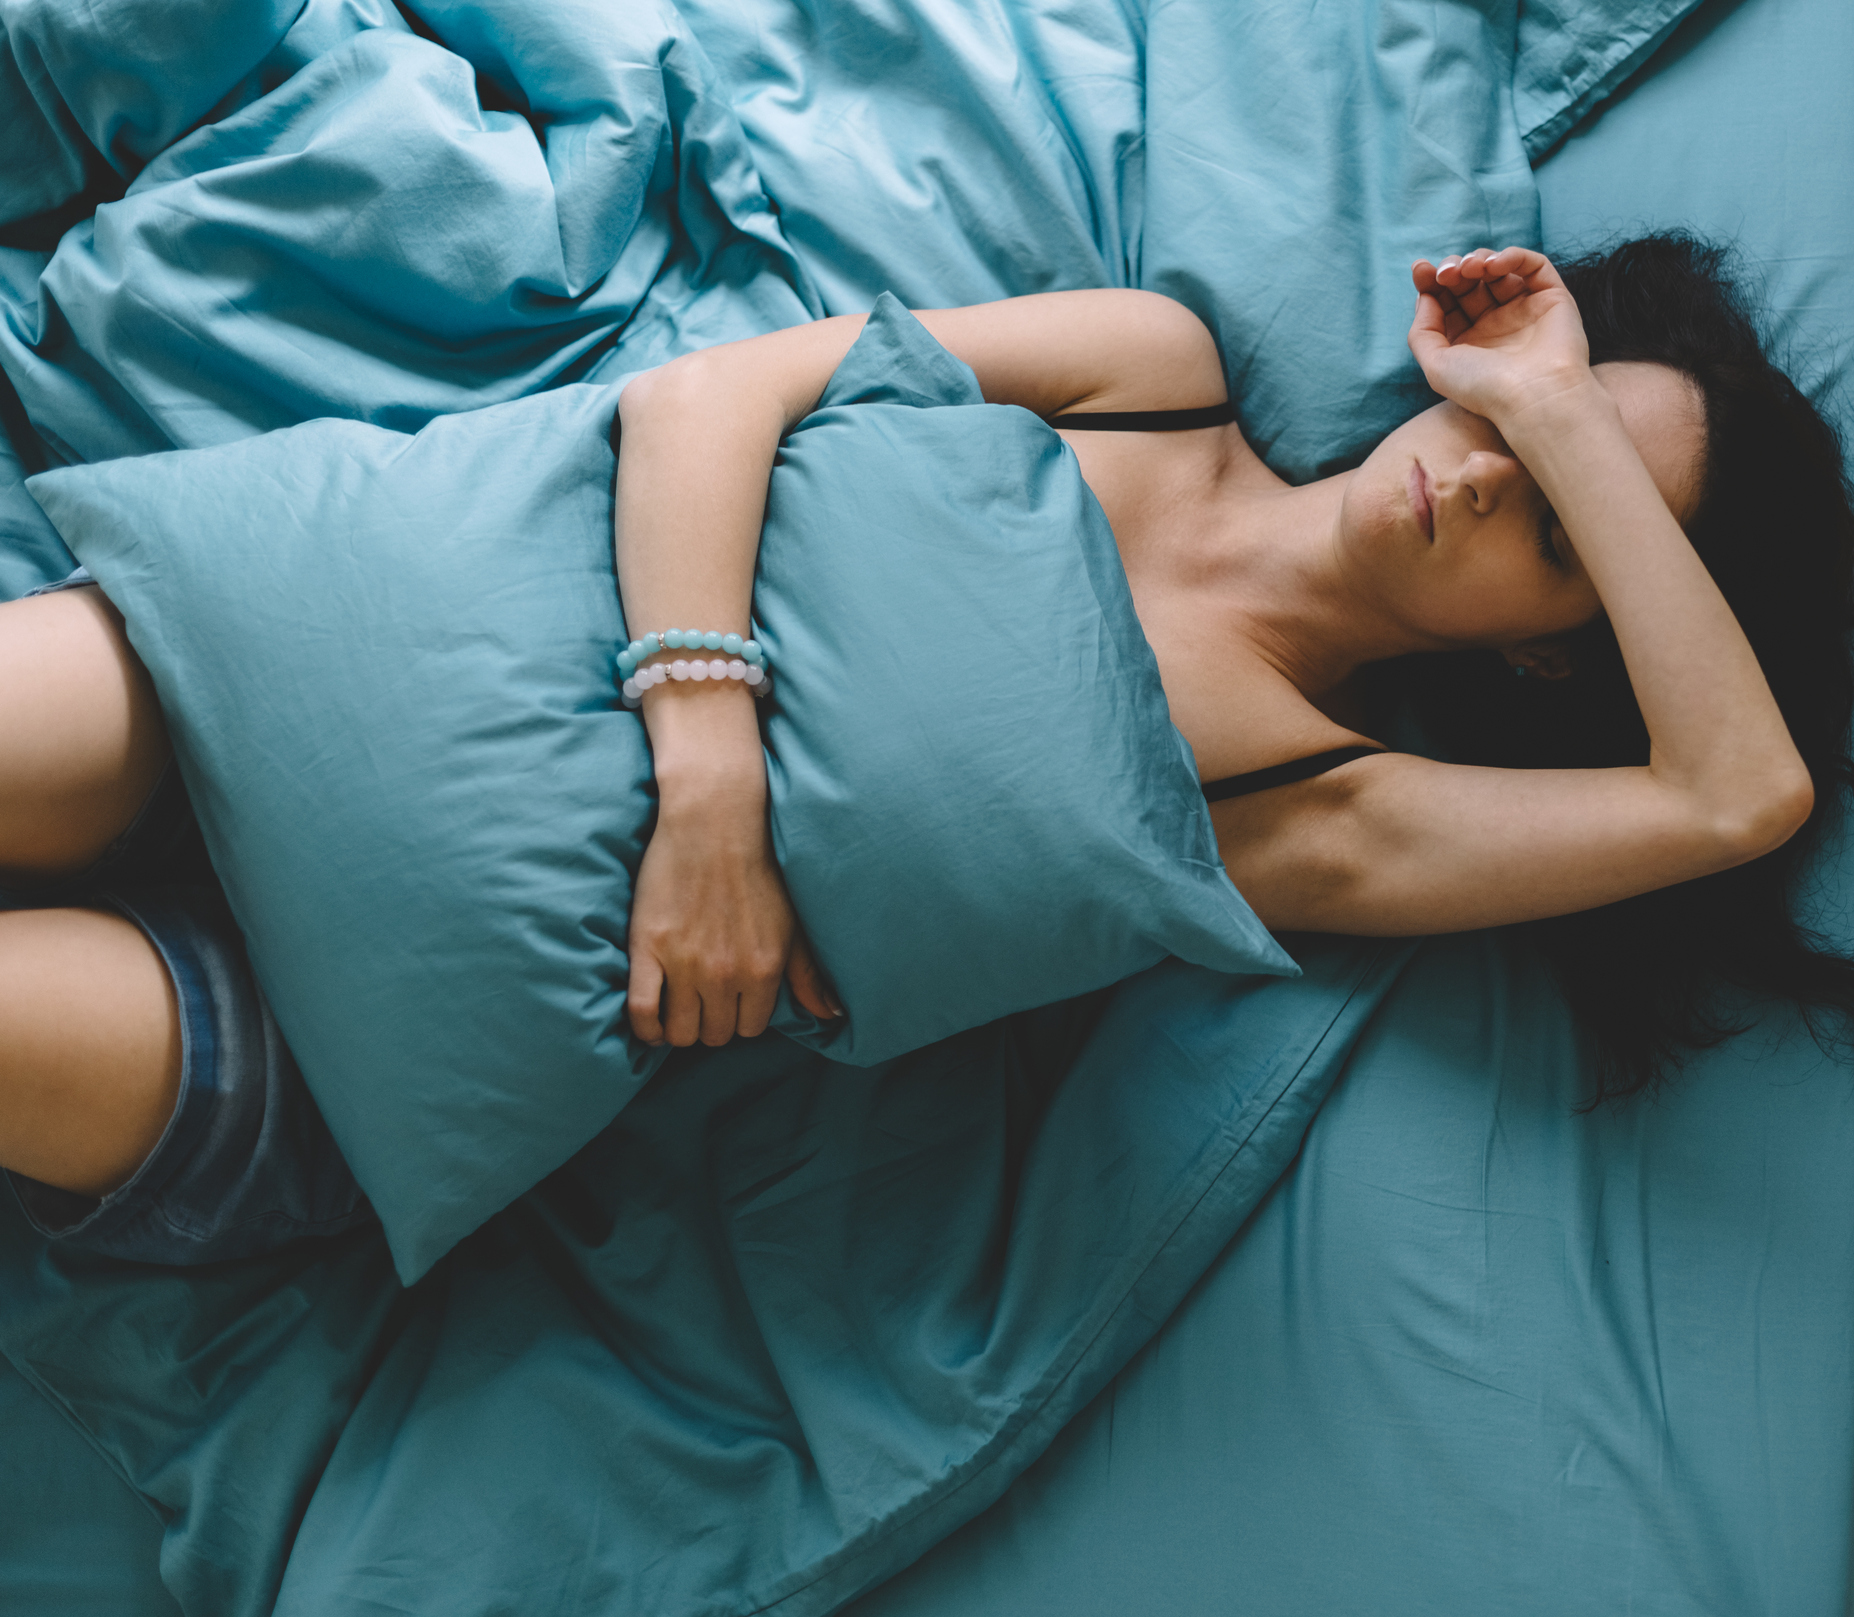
(90, 1047)
(82, 741)
(149, 1108)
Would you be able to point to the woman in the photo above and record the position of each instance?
(1544, 497)
(1542, 502)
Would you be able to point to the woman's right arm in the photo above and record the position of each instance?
(712, 931)
(1401, 845)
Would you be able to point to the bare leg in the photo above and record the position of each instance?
(82, 742)
(89, 1048)
(89, 1027)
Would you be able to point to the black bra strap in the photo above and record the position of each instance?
(1259, 780)
(1210, 415)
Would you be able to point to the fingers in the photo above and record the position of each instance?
(757, 1004)
(720, 1016)
(677, 1012)
(1504, 273)
(1463, 288)
(643, 999)
(663, 1012)
(1429, 326)
(808, 985)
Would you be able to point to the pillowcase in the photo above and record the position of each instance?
(978, 798)
(388, 666)
(1573, 54)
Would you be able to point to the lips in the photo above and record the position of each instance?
(1420, 505)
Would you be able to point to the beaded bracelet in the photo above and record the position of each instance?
(745, 661)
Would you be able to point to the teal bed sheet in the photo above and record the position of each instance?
(1473, 1352)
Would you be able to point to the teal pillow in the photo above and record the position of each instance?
(979, 800)
(388, 665)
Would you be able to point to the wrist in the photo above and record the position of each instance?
(705, 746)
(1564, 404)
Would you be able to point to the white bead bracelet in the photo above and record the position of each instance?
(716, 668)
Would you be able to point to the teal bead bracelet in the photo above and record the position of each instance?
(729, 645)
(748, 651)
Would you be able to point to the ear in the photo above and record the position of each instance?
(1540, 659)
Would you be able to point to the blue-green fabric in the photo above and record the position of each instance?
(948, 153)
(1573, 53)
(1751, 180)
(1286, 206)
(783, 1326)
(390, 224)
(388, 665)
(942, 596)
(89, 93)
(1480, 1353)
(74, 1542)
(31, 553)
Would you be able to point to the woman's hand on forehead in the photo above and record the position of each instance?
(1497, 332)
(1468, 287)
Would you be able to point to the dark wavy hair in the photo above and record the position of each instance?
(1775, 528)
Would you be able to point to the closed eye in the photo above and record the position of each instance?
(1548, 522)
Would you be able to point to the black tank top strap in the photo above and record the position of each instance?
(1210, 415)
(1259, 780)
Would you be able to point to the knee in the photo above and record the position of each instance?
(83, 743)
(90, 1048)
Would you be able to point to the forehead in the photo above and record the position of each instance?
(1664, 414)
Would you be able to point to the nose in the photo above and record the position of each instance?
(1487, 478)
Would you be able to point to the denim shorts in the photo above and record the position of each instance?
(246, 1162)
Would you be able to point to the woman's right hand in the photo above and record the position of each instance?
(1497, 332)
(712, 930)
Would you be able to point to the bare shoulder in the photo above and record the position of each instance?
(1159, 342)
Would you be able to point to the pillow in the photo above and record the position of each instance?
(388, 666)
(978, 798)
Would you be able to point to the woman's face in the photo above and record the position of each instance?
(1448, 532)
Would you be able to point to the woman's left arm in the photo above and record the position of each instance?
(1398, 844)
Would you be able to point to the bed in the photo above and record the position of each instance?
(1474, 1350)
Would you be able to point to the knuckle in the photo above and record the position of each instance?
(764, 965)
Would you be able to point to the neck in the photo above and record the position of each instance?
(1279, 562)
